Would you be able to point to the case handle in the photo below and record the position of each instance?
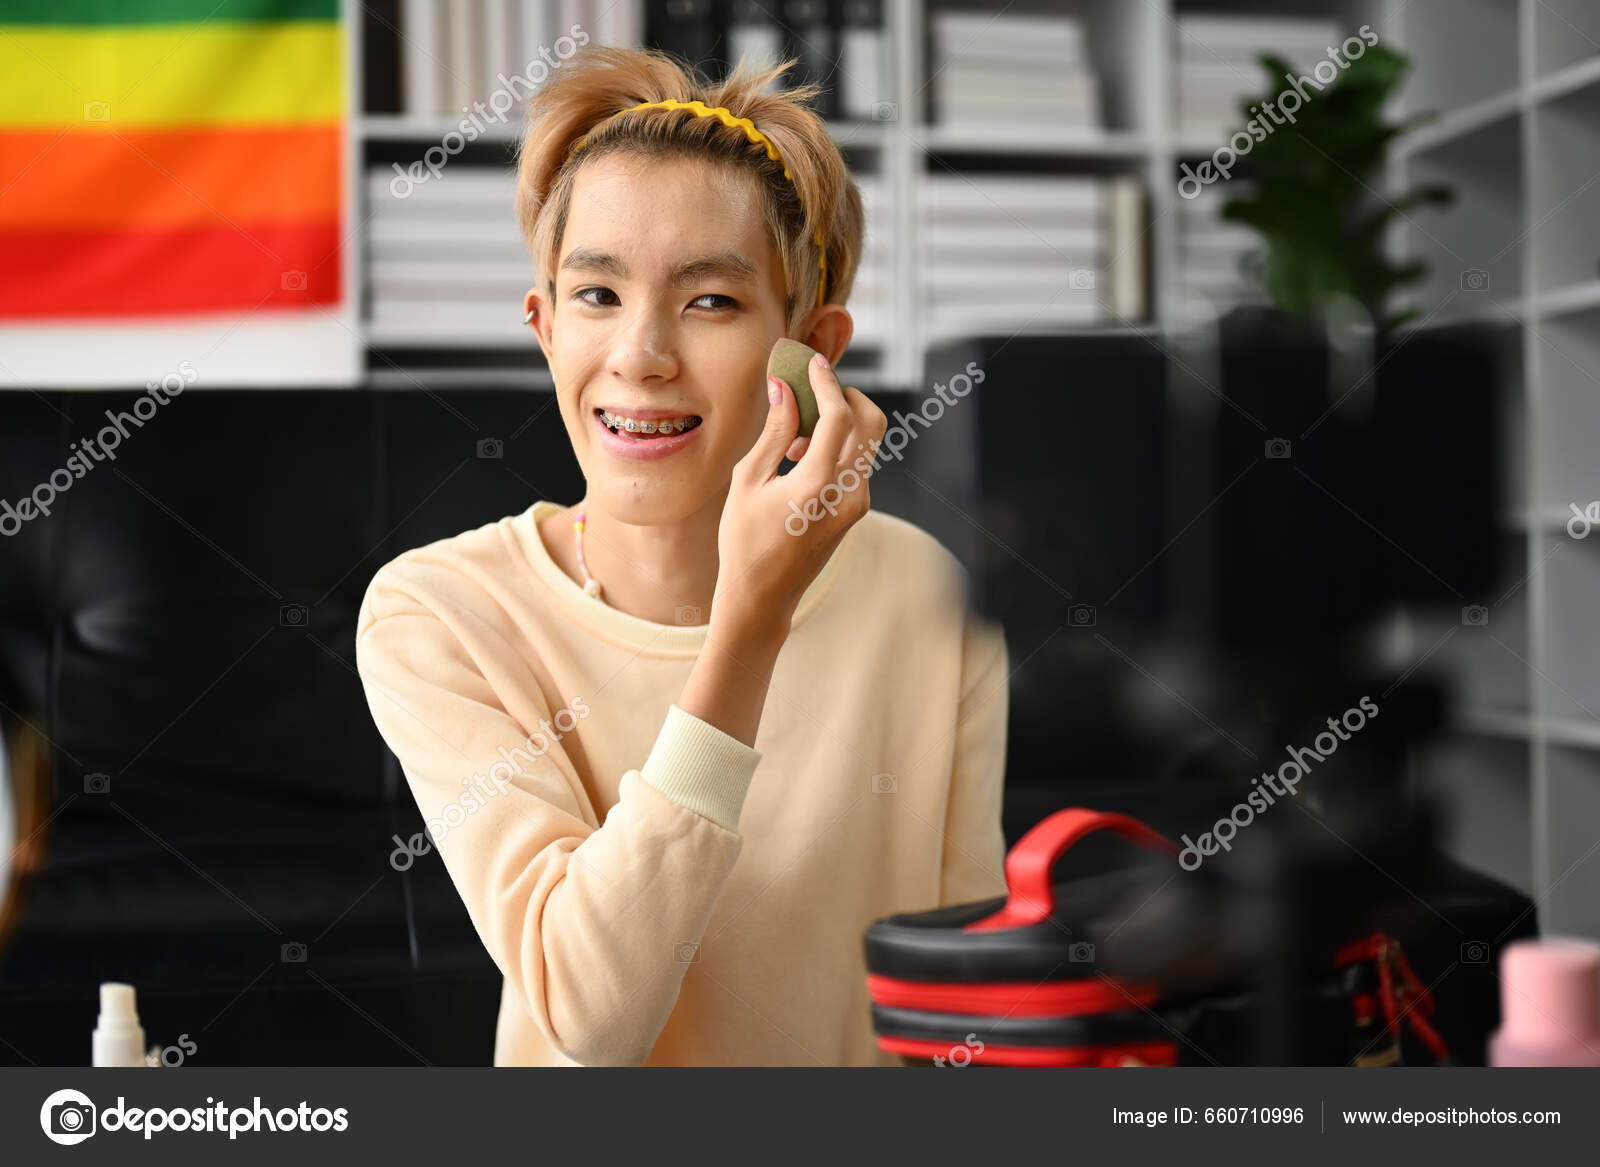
(1030, 890)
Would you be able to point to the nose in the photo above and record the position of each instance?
(644, 347)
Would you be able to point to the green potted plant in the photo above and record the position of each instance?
(1315, 197)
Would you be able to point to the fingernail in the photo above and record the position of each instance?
(822, 361)
(774, 390)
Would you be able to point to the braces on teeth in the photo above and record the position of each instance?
(634, 426)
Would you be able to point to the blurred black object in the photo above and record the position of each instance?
(380, 57)
(1359, 491)
(691, 29)
(1191, 547)
(1224, 526)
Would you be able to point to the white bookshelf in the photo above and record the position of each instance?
(1518, 82)
(898, 151)
(1517, 86)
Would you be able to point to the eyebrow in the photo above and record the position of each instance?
(728, 265)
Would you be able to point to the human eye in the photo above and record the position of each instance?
(582, 295)
(728, 301)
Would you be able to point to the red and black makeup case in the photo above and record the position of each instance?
(1139, 965)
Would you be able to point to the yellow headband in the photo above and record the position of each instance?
(725, 116)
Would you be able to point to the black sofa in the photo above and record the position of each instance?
(180, 633)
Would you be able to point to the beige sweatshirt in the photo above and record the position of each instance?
(654, 891)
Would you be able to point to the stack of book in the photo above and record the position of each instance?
(840, 46)
(1212, 251)
(1030, 253)
(437, 58)
(457, 52)
(836, 44)
(870, 304)
(990, 70)
(1218, 66)
(448, 266)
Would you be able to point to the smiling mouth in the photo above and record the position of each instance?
(644, 430)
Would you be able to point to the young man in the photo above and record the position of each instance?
(678, 755)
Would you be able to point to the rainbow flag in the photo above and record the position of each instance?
(170, 159)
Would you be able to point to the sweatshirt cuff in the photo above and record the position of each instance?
(700, 767)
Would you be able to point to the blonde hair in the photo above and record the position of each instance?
(591, 99)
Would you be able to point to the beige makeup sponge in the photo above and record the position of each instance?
(791, 362)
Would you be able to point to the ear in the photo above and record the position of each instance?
(828, 330)
(537, 316)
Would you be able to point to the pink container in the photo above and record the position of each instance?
(1549, 1004)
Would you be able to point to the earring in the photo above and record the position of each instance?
(528, 319)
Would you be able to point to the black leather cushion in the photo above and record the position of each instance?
(181, 629)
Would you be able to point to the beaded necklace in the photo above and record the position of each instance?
(591, 586)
